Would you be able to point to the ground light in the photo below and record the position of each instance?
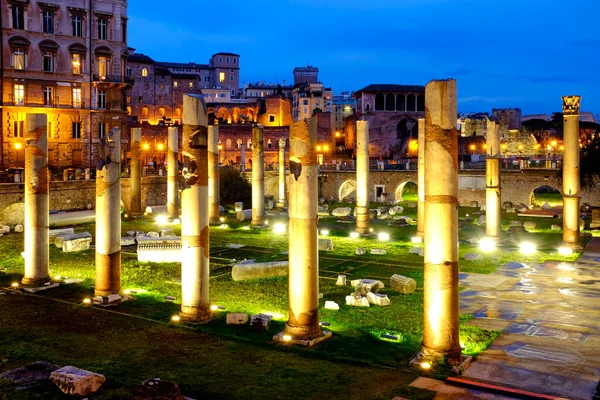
(222, 219)
(15, 284)
(245, 228)
(324, 232)
(57, 278)
(162, 219)
(565, 251)
(425, 365)
(279, 228)
(527, 248)
(216, 307)
(416, 239)
(223, 226)
(286, 338)
(354, 235)
(127, 291)
(175, 318)
(487, 244)
(87, 301)
(383, 236)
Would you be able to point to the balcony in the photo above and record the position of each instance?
(114, 79)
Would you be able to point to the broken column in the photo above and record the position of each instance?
(194, 211)
(108, 215)
(421, 179)
(493, 225)
(362, 176)
(258, 176)
(303, 322)
(214, 211)
(282, 200)
(571, 186)
(135, 208)
(172, 169)
(36, 201)
(440, 293)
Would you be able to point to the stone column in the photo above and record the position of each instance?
(258, 176)
(571, 186)
(362, 176)
(282, 199)
(194, 211)
(108, 215)
(36, 201)
(421, 179)
(303, 322)
(493, 224)
(172, 169)
(440, 294)
(214, 212)
(135, 208)
(243, 157)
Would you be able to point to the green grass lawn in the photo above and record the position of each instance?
(216, 360)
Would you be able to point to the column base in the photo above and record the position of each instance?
(285, 339)
(281, 204)
(104, 299)
(35, 282)
(198, 315)
(427, 358)
(575, 247)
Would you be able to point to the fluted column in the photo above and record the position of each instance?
(440, 292)
(571, 185)
(493, 223)
(282, 199)
(135, 208)
(362, 176)
(194, 211)
(214, 212)
(36, 201)
(172, 169)
(108, 215)
(258, 176)
(421, 179)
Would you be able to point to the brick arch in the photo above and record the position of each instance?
(347, 189)
(400, 189)
(541, 189)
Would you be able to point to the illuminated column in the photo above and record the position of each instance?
(258, 176)
(172, 167)
(282, 172)
(421, 179)
(243, 157)
(135, 208)
(108, 215)
(36, 201)
(571, 189)
(214, 211)
(194, 211)
(493, 224)
(440, 291)
(303, 322)
(362, 176)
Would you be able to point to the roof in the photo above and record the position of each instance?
(140, 58)
(183, 65)
(388, 87)
(226, 54)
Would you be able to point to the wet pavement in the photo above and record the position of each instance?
(549, 315)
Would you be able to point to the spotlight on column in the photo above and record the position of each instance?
(384, 237)
(527, 248)
(565, 251)
(162, 219)
(487, 244)
(354, 235)
(279, 228)
(324, 232)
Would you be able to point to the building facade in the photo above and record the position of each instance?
(66, 59)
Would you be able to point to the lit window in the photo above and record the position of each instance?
(102, 99)
(49, 61)
(191, 85)
(48, 21)
(102, 66)
(76, 97)
(76, 130)
(19, 129)
(175, 84)
(18, 59)
(162, 86)
(101, 130)
(76, 61)
(19, 95)
(221, 76)
(103, 29)
(48, 95)
(18, 17)
(77, 25)
(144, 71)
(145, 111)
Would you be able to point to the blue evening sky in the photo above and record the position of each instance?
(503, 53)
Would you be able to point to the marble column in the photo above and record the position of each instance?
(172, 170)
(135, 208)
(194, 211)
(214, 212)
(282, 200)
(421, 179)
(36, 201)
(108, 215)
(362, 176)
(493, 224)
(571, 185)
(258, 176)
(440, 289)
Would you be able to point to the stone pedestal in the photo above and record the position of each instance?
(36, 201)
(571, 185)
(172, 169)
(214, 212)
(362, 176)
(108, 215)
(282, 199)
(258, 176)
(135, 208)
(493, 203)
(194, 211)
(421, 179)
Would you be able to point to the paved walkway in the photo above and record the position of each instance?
(550, 318)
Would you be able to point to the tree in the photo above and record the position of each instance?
(233, 187)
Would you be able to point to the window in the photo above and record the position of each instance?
(207, 79)
(175, 84)
(76, 62)
(269, 143)
(144, 111)
(101, 98)
(124, 31)
(144, 71)
(231, 70)
(48, 61)
(221, 76)
(191, 85)
(220, 59)
(19, 95)
(231, 78)
(77, 25)
(76, 97)
(305, 110)
(102, 29)
(222, 95)
(232, 92)
(101, 130)
(162, 87)
(48, 21)
(76, 130)
(102, 65)
(271, 118)
(19, 129)
(304, 102)
(18, 17)
(128, 71)
(18, 58)
(48, 95)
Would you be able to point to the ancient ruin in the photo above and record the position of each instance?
(362, 177)
(571, 185)
(214, 210)
(172, 171)
(258, 176)
(493, 201)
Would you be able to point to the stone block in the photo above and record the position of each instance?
(370, 285)
(61, 239)
(136, 234)
(159, 249)
(482, 220)
(384, 216)
(326, 244)
(472, 257)
(378, 252)
(415, 250)
(357, 301)
(155, 389)
(167, 232)
(359, 251)
(411, 204)
(529, 225)
(30, 375)
(402, 284)
(515, 223)
(507, 204)
(483, 208)
(244, 270)
(70, 246)
(396, 210)
(341, 280)
(378, 299)
(474, 204)
(76, 381)
(19, 228)
(237, 318)
(4, 229)
(515, 229)
(341, 212)
(331, 305)
(382, 210)
(269, 202)
(153, 234)
(401, 222)
(127, 241)
(556, 227)
(260, 322)
(545, 206)
(510, 211)
(238, 206)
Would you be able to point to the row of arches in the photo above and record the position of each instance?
(235, 115)
(400, 102)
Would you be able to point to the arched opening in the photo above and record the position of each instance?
(223, 115)
(236, 113)
(379, 102)
(247, 115)
(228, 144)
(411, 103)
(347, 191)
(421, 102)
(389, 102)
(400, 102)
(545, 195)
(407, 191)
(406, 130)
(367, 107)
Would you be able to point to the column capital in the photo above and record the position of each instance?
(571, 105)
(282, 143)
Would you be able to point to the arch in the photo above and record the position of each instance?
(545, 194)
(48, 45)
(411, 102)
(407, 191)
(247, 115)
(103, 50)
(19, 41)
(347, 190)
(400, 102)
(421, 102)
(367, 107)
(390, 102)
(379, 102)
(236, 113)
(223, 115)
(228, 144)
(77, 48)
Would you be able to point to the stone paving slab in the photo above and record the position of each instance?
(445, 391)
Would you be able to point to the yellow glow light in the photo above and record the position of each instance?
(326, 148)
(527, 248)
(223, 226)
(318, 148)
(57, 278)
(472, 147)
(245, 228)
(370, 229)
(554, 143)
(324, 232)
(220, 147)
(520, 147)
(15, 284)
(565, 267)
(384, 236)
(487, 244)
(562, 147)
(286, 338)
(127, 291)
(214, 307)
(549, 147)
(416, 239)
(145, 146)
(485, 146)
(279, 228)
(565, 251)
(160, 146)
(537, 146)
(162, 219)
(503, 147)
(175, 318)
(425, 365)
(18, 146)
(87, 301)
(222, 219)
(354, 235)
(337, 134)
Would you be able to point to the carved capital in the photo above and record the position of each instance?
(571, 105)
(282, 143)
